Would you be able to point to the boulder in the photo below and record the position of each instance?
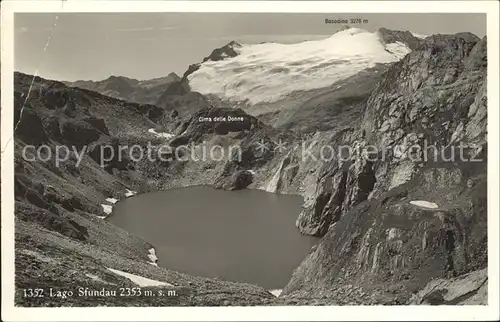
(219, 121)
(233, 178)
(70, 108)
(467, 289)
(98, 123)
(381, 241)
(78, 133)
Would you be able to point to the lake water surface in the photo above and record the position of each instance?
(244, 236)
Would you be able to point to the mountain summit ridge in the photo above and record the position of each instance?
(128, 89)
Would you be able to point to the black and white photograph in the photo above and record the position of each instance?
(191, 158)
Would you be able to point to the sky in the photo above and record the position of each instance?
(94, 46)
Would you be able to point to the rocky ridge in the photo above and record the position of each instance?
(128, 89)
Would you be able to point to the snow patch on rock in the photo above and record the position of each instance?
(130, 193)
(276, 292)
(165, 135)
(152, 256)
(96, 278)
(424, 204)
(112, 200)
(139, 280)
(108, 209)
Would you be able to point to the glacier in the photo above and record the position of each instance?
(267, 72)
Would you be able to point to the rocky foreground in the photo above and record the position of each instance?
(378, 246)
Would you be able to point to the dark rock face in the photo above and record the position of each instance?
(18, 104)
(219, 121)
(336, 188)
(477, 58)
(78, 133)
(30, 128)
(153, 112)
(180, 140)
(191, 69)
(234, 179)
(53, 97)
(48, 220)
(70, 203)
(336, 109)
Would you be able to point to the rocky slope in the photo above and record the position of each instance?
(375, 239)
(393, 224)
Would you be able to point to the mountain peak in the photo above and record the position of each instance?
(350, 30)
(226, 51)
(119, 78)
(173, 76)
(389, 36)
(233, 44)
